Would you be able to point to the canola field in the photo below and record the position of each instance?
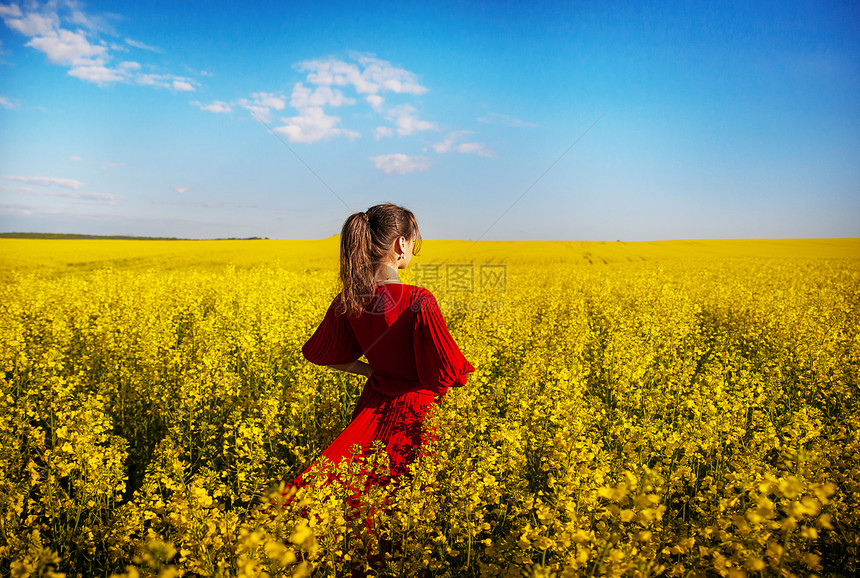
(638, 409)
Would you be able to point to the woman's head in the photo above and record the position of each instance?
(381, 234)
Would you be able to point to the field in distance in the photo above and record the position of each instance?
(59, 256)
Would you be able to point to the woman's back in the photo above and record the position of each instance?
(403, 336)
(385, 331)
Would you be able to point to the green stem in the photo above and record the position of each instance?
(599, 559)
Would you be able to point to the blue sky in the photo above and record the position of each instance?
(279, 119)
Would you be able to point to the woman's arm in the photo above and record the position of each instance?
(357, 367)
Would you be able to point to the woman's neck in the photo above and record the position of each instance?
(386, 274)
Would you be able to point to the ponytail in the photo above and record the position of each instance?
(356, 266)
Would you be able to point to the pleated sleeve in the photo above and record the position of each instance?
(439, 361)
(333, 342)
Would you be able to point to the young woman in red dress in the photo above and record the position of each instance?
(412, 360)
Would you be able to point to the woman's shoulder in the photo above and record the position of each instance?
(416, 290)
(415, 297)
(422, 298)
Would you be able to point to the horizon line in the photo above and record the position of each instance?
(125, 237)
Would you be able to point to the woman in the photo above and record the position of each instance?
(411, 357)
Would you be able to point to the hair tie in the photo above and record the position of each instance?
(364, 216)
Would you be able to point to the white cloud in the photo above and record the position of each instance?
(76, 159)
(408, 124)
(31, 24)
(88, 60)
(304, 97)
(169, 81)
(141, 45)
(272, 101)
(260, 112)
(262, 104)
(382, 131)
(327, 84)
(445, 145)
(336, 72)
(370, 75)
(312, 125)
(103, 198)
(96, 196)
(477, 148)
(68, 36)
(6, 103)
(218, 106)
(406, 121)
(10, 11)
(400, 164)
(180, 188)
(389, 77)
(93, 23)
(27, 190)
(15, 209)
(46, 181)
(151, 80)
(66, 47)
(96, 73)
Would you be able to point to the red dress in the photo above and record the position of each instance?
(414, 358)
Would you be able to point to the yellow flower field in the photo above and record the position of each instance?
(676, 408)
